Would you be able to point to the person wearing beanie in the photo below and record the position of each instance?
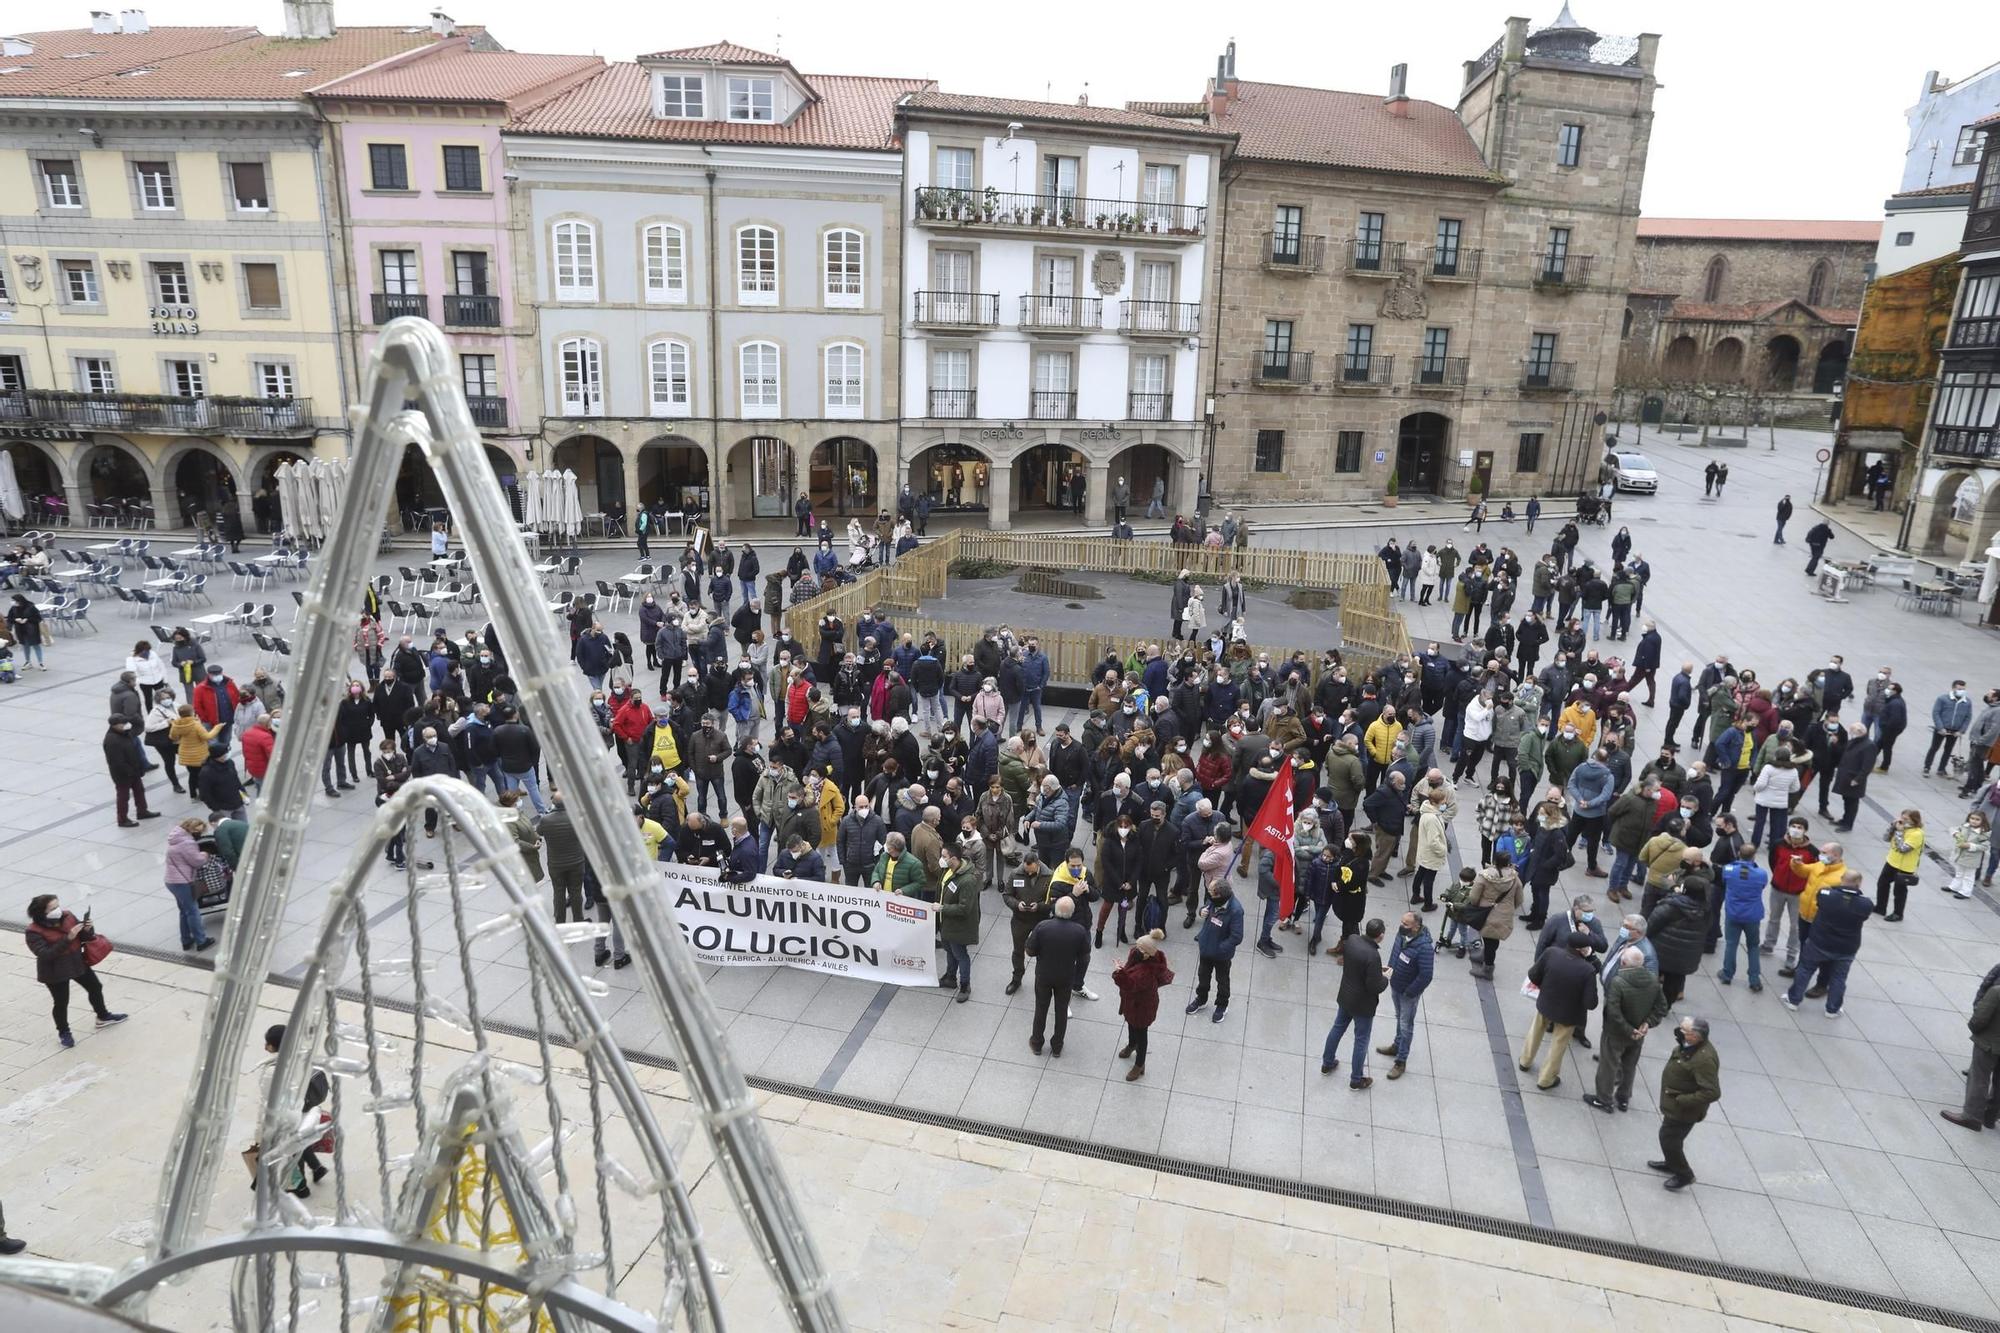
(1139, 980)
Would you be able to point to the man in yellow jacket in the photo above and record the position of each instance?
(1826, 874)
(1378, 743)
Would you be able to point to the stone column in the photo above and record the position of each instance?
(718, 508)
(1097, 496)
(1184, 489)
(999, 496)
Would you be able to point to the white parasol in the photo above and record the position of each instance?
(531, 499)
(571, 518)
(288, 498)
(10, 488)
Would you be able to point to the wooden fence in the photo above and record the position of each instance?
(1332, 570)
(1073, 654)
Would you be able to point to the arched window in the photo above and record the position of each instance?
(1822, 273)
(758, 379)
(1711, 286)
(575, 246)
(668, 365)
(581, 363)
(756, 266)
(844, 393)
(843, 267)
(665, 250)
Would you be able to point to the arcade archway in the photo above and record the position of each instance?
(1421, 441)
(956, 477)
(841, 477)
(1051, 477)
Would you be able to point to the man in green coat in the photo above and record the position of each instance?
(1691, 1081)
(1633, 1004)
(1564, 753)
(1344, 775)
(1529, 762)
(1628, 826)
(898, 871)
(960, 881)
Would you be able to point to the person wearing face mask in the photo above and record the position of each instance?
(127, 767)
(57, 940)
(1951, 714)
(1981, 744)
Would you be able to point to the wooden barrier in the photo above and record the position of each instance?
(1110, 555)
(1073, 654)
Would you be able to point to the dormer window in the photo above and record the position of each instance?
(681, 97)
(752, 99)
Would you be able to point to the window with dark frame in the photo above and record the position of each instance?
(1277, 349)
(13, 374)
(1347, 451)
(1360, 351)
(1270, 451)
(1528, 454)
(480, 373)
(260, 283)
(463, 169)
(1287, 222)
(1368, 240)
(1569, 146)
(1906, 238)
(388, 167)
(247, 180)
(1444, 255)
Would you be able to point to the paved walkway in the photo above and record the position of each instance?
(1825, 1158)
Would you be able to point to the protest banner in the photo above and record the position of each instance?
(832, 928)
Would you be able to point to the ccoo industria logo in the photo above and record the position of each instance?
(907, 911)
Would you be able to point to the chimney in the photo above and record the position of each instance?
(133, 21)
(1398, 101)
(102, 23)
(441, 24)
(1223, 90)
(309, 20)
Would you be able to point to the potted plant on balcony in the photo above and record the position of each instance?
(1101, 219)
(990, 207)
(1126, 222)
(1389, 492)
(927, 203)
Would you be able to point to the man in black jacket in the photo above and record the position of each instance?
(562, 854)
(432, 759)
(410, 667)
(128, 771)
(1362, 981)
(702, 842)
(519, 754)
(1817, 538)
(1850, 775)
(1834, 944)
(1568, 992)
(394, 702)
(1060, 947)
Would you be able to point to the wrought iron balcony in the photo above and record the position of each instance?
(1149, 407)
(1966, 441)
(1453, 265)
(1365, 371)
(1052, 404)
(488, 412)
(1284, 252)
(1382, 258)
(1062, 314)
(1559, 375)
(159, 413)
(1160, 319)
(1439, 372)
(1565, 272)
(938, 206)
(394, 305)
(954, 404)
(1283, 368)
(1975, 333)
(472, 312)
(958, 310)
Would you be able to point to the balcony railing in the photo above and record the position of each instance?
(1064, 313)
(954, 404)
(487, 411)
(1287, 253)
(1564, 271)
(1966, 441)
(1439, 372)
(938, 206)
(1383, 257)
(1149, 407)
(1283, 368)
(394, 305)
(472, 312)
(1976, 333)
(1361, 370)
(1453, 265)
(1052, 404)
(1160, 319)
(159, 412)
(1548, 374)
(959, 310)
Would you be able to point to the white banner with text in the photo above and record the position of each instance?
(832, 928)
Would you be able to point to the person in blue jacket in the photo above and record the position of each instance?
(1034, 679)
(1590, 790)
(746, 859)
(1221, 931)
(1412, 955)
(1743, 884)
(594, 654)
(1951, 714)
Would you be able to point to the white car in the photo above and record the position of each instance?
(1634, 472)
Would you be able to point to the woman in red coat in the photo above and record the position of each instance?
(1139, 982)
(57, 940)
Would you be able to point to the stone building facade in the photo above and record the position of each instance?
(1432, 295)
(1892, 376)
(1766, 306)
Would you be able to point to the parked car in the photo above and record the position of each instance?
(1634, 472)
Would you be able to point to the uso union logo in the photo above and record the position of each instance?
(910, 961)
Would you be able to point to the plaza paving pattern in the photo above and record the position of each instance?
(1825, 1158)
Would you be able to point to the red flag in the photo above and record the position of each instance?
(1273, 831)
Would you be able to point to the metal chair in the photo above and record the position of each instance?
(79, 614)
(420, 614)
(267, 647)
(239, 615)
(409, 581)
(161, 634)
(197, 587)
(622, 593)
(265, 613)
(398, 616)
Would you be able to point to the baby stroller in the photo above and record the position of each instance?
(1591, 510)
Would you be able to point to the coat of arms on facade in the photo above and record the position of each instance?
(1107, 272)
(1405, 299)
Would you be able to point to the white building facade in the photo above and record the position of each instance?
(1926, 216)
(1056, 292)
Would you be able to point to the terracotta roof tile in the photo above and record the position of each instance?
(223, 64)
(466, 76)
(1117, 117)
(1933, 192)
(1751, 312)
(723, 53)
(1283, 123)
(1757, 229)
(851, 112)
(1176, 110)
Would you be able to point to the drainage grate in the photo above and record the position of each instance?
(1416, 1212)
